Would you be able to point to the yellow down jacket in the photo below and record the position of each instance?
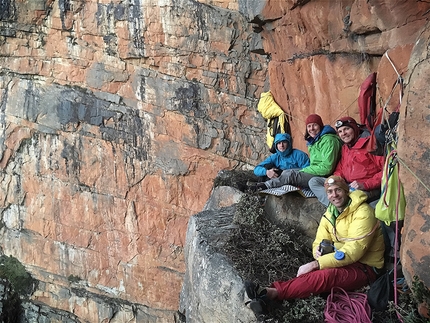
(356, 232)
(269, 109)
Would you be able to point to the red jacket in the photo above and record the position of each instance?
(357, 164)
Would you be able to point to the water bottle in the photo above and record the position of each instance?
(339, 255)
(326, 246)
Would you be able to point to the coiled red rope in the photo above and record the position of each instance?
(347, 307)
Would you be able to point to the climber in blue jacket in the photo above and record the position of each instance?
(286, 157)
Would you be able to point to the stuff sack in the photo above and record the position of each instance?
(392, 204)
(381, 292)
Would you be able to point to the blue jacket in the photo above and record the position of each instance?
(288, 159)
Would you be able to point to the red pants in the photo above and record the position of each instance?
(350, 278)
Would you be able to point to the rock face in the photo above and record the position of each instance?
(415, 162)
(206, 296)
(294, 208)
(115, 117)
(321, 52)
(212, 290)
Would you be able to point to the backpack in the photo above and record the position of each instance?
(386, 131)
(277, 121)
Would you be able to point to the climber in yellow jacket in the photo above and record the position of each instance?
(355, 232)
(351, 259)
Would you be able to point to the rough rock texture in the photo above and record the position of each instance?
(212, 290)
(414, 156)
(115, 117)
(222, 196)
(293, 208)
(321, 52)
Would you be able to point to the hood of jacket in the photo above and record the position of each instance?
(283, 137)
(326, 130)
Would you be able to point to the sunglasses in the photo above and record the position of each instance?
(340, 123)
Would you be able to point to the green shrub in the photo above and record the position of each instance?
(74, 279)
(12, 270)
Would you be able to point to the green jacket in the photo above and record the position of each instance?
(324, 154)
(355, 231)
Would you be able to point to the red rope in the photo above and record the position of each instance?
(347, 307)
(393, 155)
(387, 176)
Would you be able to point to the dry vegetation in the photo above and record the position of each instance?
(263, 252)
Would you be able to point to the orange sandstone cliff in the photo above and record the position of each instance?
(116, 117)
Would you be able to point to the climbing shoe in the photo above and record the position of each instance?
(259, 307)
(257, 296)
(254, 291)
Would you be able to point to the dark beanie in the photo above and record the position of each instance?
(348, 122)
(315, 118)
